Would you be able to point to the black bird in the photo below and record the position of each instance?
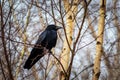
(47, 40)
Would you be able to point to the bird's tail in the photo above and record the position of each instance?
(35, 55)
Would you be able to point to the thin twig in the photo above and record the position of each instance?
(91, 65)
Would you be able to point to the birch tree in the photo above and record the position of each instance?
(71, 9)
(99, 50)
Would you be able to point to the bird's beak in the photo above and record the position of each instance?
(58, 27)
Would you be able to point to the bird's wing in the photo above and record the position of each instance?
(36, 53)
(41, 37)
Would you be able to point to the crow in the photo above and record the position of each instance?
(46, 41)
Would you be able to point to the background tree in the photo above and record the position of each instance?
(99, 49)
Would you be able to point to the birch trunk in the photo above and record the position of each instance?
(99, 50)
(65, 55)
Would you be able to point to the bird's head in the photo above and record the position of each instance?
(53, 27)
